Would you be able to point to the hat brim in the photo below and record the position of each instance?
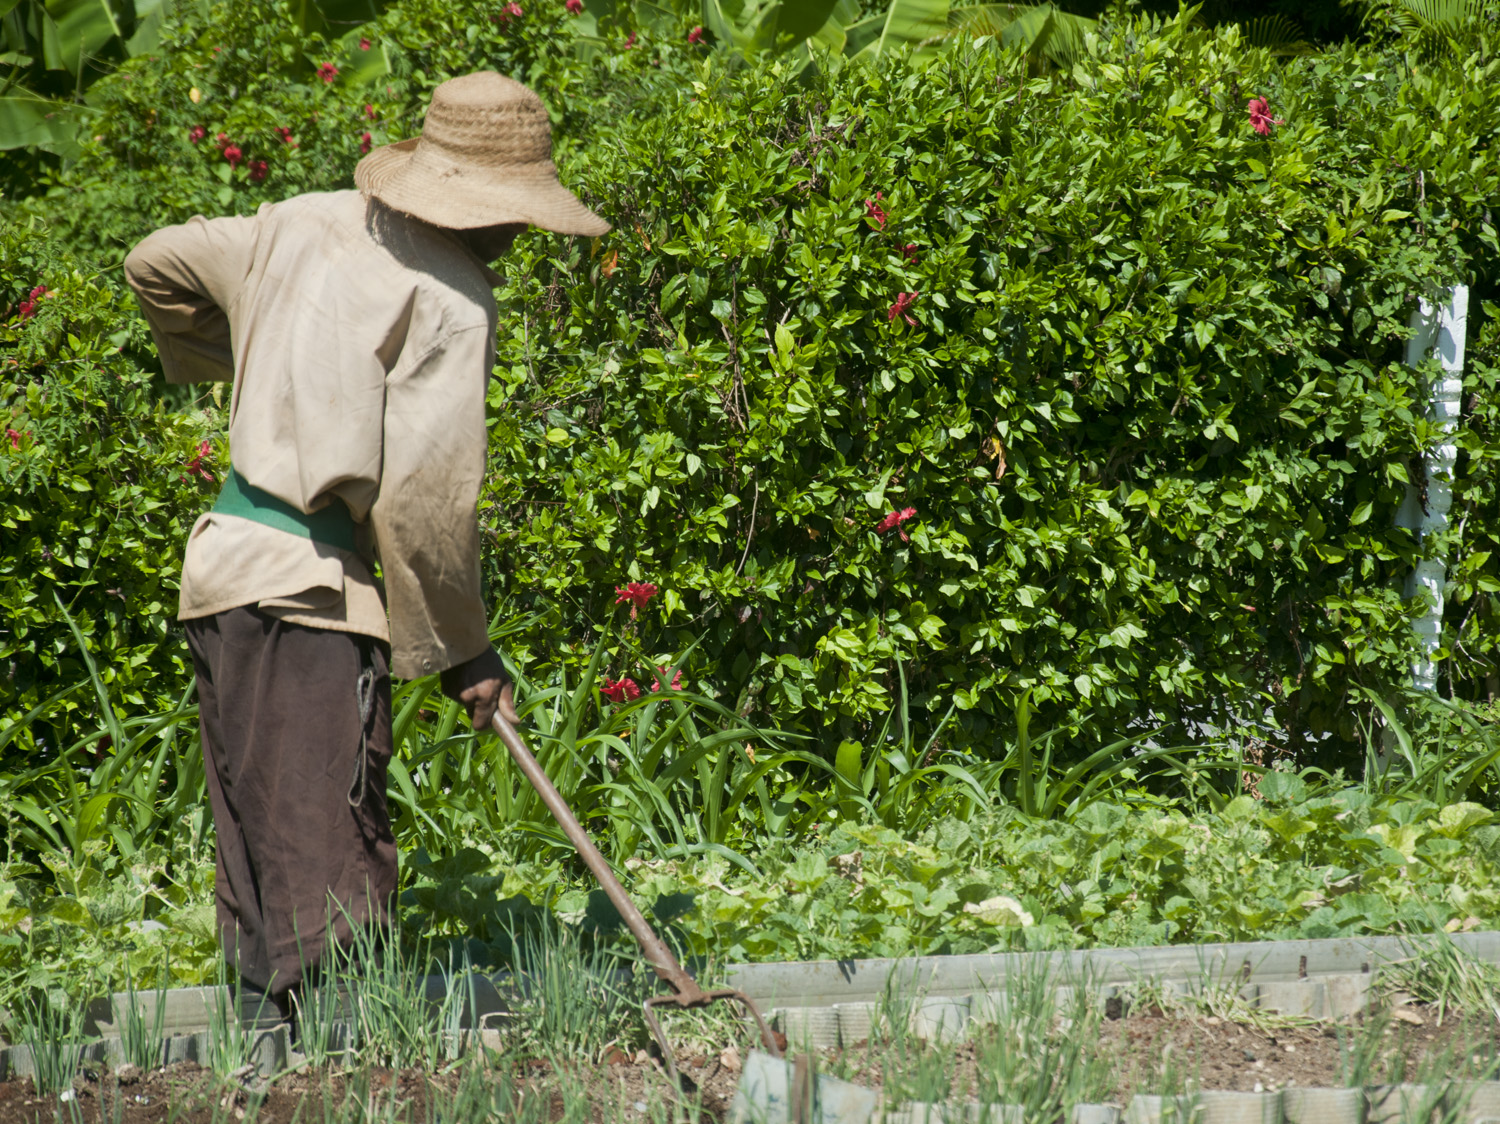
(467, 199)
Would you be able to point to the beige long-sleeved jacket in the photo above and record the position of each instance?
(359, 343)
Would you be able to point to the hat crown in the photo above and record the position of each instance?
(488, 120)
(483, 158)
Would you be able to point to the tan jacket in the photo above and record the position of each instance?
(359, 343)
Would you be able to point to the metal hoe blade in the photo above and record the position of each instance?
(686, 994)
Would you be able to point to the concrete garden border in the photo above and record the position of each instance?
(1316, 978)
(833, 1003)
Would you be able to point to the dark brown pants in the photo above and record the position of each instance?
(298, 842)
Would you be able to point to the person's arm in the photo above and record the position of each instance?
(427, 527)
(186, 279)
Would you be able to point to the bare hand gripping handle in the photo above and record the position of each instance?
(686, 992)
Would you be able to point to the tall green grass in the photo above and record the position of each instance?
(672, 773)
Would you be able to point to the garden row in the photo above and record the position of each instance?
(1297, 863)
(1425, 1047)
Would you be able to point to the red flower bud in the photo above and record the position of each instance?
(904, 302)
(894, 520)
(197, 133)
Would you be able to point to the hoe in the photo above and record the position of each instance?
(772, 1090)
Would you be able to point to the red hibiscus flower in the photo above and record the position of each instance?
(661, 674)
(574, 6)
(15, 438)
(28, 306)
(900, 308)
(636, 593)
(513, 9)
(327, 71)
(285, 133)
(875, 212)
(1260, 116)
(364, 44)
(630, 41)
(196, 467)
(221, 140)
(233, 154)
(197, 133)
(909, 252)
(894, 520)
(364, 143)
(370, 112)
(696, 35)
(620, 690)
(258, 170)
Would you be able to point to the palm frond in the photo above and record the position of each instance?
(1043, 31)
(1432, 29)
(1278, 34)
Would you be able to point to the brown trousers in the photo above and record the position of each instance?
(300, 840)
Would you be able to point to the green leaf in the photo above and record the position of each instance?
(849, 761)
(82, 26)
(1456, 820)
(32, 122)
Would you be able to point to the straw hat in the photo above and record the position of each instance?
(484, 158)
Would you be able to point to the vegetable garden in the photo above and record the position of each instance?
(952, 511)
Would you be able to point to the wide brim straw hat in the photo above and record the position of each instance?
(484, 158)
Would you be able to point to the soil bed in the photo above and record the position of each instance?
(1145, 1053)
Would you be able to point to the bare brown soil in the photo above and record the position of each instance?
(1153, 1053)
(1146, 1052)
(186, 1093)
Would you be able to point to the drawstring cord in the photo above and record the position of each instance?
(364, 694)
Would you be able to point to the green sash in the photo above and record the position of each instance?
(332, 525)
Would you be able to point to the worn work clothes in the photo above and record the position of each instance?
(281, 741)
(359, 342)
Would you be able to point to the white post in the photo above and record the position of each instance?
(1439, 331)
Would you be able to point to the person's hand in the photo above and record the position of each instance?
(483, 687)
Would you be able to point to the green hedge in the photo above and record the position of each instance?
(1147, 403)
(100, 482)
(1147, 406)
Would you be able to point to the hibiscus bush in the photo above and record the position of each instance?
(921, 389)
(243, 108)
(950, 385)
(100, 480)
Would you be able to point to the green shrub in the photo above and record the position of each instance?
(1147, 404)
(245, 75)
(100, 481)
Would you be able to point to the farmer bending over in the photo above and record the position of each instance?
(358, 329)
